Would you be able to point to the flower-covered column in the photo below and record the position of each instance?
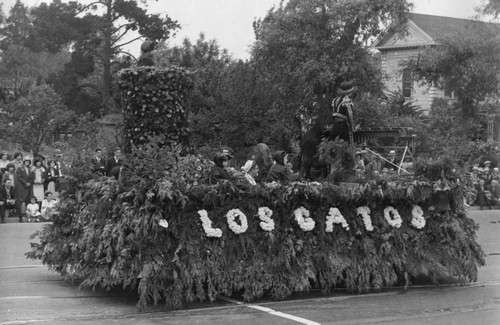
(154, 104)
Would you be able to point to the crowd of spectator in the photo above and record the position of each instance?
(30, 186)
(486, 183)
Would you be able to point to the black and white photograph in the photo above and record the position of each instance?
(274, 162)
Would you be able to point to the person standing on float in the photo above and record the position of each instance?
(342, 114)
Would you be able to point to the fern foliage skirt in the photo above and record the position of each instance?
(178, 244)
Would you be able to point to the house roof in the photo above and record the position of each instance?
(429, 30)
(438, 27)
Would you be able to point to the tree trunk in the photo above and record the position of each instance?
(106, 57)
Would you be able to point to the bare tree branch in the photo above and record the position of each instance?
(120, 45)
(84, 8)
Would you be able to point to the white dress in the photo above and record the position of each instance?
(38, 191)
(33, 210)
(48, 208)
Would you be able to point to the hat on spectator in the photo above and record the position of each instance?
(37, 159)
(392, 153)
(346, 87)
(385, 169)
(495, 169)
(57, 153)
(487, 162)
(226, 153)
(475, 168)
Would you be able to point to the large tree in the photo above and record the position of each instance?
(303, 50)
(227, 102)
(34, 119)
(97, 32)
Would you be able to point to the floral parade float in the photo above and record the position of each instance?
(162, 231)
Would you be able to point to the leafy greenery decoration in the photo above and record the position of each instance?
(107, 235)
(154, 104)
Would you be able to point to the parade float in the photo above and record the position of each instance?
(160, 230)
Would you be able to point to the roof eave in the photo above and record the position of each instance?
(409, 46)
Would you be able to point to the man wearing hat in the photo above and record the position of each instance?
(487, 172)
(24, 180)
(342, 113)
(226, 153)
(495, 174)
(391, 157)
(375, 165)
(474, 175)
(59, 163)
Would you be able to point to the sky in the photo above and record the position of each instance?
(230, 21)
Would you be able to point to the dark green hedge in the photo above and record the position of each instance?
(154, 104)
(111, 237)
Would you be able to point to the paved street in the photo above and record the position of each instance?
(31, 294)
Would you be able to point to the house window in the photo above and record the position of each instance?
(407, 83)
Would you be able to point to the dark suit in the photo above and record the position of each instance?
(58, 169)
(99, 165)
(482, 198)
(113, 162)
(4, 196)
(23, 191)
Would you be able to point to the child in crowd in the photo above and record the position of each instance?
(33, 211)
(49, 206)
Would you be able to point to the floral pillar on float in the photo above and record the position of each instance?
(154, 104)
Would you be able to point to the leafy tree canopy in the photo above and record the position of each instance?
(304, 48)
(492, 7)
(32, 120)
(95, 33)
(23, 63)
